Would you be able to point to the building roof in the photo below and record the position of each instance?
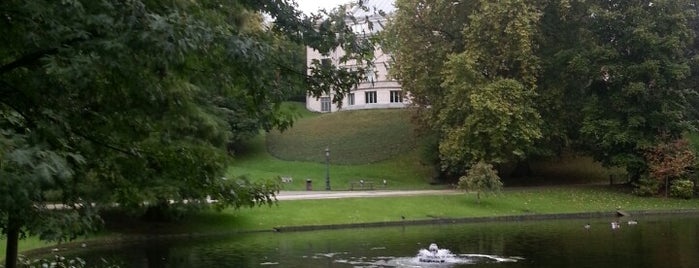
(387, 6)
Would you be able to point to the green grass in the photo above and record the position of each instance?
(376, 145)
(545, 200)
(370, 145)
(400, 172)
(354, 137)
(298, 110)
(524, 201)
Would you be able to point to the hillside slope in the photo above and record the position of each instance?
(353, 137)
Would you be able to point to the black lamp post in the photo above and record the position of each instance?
(327, 168)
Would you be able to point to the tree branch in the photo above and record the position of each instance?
(27, 59)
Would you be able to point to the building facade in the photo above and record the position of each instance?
(378, 91)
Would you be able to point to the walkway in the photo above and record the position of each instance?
(305, 195)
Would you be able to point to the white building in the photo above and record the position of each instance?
(377, 91)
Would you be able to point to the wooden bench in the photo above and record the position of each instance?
(361, 185)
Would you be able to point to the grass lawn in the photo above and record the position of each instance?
(401, 172)
(542, 200)
(520, 201)
(524, 201)
(369, 145)
(353, 137)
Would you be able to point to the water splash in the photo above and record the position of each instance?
(430, 257)
(433, 254)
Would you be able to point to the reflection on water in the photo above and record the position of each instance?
(652, 242)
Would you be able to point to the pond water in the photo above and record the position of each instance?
(655, 241)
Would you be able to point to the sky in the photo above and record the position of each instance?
(308, 6)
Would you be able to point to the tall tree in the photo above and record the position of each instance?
(489, 113)
(635, 63)
(560, 90)
(420, 36)
(135, 102)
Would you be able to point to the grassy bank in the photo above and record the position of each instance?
(354, 137)
(401, 172)
(376, 145)
(524, 201)
(545, 200)
(369, 145)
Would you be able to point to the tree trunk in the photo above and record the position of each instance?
(12, 242)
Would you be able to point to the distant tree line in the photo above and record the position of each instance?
(504, 81)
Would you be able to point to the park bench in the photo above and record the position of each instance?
(361, 185)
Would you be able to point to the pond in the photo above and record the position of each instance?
(655, 241)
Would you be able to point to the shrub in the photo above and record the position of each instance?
(682, 188)
(647, 186)
(481, 178)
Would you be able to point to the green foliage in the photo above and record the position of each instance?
(693, 139)
(420, 36)
(136, 102)
(481, 178)
(647, 186)
(682, 188)
(609, 77)
(499, 124)
(489, 113)
(483, 107)
(500, 38)
(633, 94)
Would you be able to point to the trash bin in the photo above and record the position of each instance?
(309, 185)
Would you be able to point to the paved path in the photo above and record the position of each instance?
(303, 195)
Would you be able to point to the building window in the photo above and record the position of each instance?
(396, 96)
(370, 96)
(325, 104)
(350, 99)
(370, 75)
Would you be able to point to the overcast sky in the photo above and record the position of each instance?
(308, 6)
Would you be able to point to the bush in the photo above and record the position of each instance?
(481, 178)
(646, 186)
(682, 188)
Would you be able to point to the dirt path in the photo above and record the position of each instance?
(305, 195)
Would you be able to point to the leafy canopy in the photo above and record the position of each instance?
(139, 102)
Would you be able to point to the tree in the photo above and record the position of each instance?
(481, 178)
(136, 102)
(488, 113)
(607, 78)
(635, 63)
(452, 55)
(670, 161)
(420, 36)
(560, 89)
